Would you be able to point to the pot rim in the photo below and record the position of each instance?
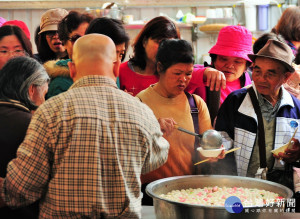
(152, 185)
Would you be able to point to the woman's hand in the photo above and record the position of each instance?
(214, 159)
(214, 79)
(167, 125)
(290, 155)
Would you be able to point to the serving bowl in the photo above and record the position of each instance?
(165, 209)
(210, 152)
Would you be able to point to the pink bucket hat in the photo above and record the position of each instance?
(233, 41)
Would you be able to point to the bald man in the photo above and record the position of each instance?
(86, 148)
(95, 56)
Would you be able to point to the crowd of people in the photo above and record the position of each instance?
(83, 134)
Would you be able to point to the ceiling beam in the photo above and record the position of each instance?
(33, 4)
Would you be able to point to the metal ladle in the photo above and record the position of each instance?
(211, 139)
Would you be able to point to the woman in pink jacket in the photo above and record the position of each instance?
(228, 56)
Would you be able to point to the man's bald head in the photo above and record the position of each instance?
(94, 54)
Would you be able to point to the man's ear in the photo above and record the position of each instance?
(72, 69)
(287, 76)
(116, 68)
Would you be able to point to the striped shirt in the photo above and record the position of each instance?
(84, 152)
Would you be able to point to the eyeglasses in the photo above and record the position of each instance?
(51, 34)
(18, 52)
(74, 38)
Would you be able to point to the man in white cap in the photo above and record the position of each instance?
(86, 148)
(263, 117)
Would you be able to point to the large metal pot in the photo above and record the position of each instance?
(165, 209)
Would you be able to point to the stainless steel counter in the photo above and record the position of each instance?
(148, 212)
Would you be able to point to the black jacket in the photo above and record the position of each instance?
(14, 121)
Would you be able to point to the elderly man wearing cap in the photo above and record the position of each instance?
(263, 117)
(49, 45)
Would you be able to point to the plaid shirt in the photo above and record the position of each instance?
(84, 152)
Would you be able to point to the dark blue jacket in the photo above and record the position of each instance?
(237, 123)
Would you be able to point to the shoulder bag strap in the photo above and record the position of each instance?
(194, 110)
(261, 131)
(194, 113)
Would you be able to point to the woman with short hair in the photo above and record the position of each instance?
(167, 99)
(72, 27)
(23, 85)
(114, 29)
